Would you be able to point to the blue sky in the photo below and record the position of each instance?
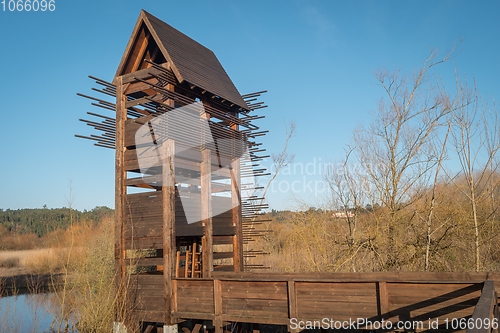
(316, 59)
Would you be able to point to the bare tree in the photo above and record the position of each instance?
(396, 146)
(476, 141)
(348, 192)
(428, 219)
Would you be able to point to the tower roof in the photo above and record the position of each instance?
(189, 60)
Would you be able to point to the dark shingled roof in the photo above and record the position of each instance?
(191, 61)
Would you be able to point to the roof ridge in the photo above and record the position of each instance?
(190, 61)
(149, 16)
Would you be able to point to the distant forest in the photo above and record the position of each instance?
(41, 221)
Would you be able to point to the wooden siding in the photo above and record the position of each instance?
(146, 297)
(143, 217)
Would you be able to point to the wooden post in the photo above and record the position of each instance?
(236, 203)
(485, 309)
(174, 295)
(292, 303)
(496, 312)
(218, 306)
(383, 300)
(206, 211)
(168, 199)
(120, 192)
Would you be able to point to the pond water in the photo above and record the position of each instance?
(27, 313)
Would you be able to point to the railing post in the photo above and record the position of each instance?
(383, 300)
(496, 313)
(292, 303)
(218, 306)
(485, 309)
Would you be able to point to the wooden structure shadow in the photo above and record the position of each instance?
(186, 154)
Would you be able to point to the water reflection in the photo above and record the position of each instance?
(29, 313)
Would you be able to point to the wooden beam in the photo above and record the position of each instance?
(217, 306)
(141, 50)
(129, 47)
(174, 296)
(120, 190)
(143, 100)
(292, 299)
(197, 327)
(193, 261)
(236, 212)
(162, 48)
(167, 152)
(143, 73)
(486, 308)
(206, 210)
(383, 300)
(292, 302)
(149, 329)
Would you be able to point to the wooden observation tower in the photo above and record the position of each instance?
(186, 206)
(184, 141)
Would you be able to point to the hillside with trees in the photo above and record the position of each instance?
(25, 228)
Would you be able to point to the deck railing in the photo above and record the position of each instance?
(485, 318)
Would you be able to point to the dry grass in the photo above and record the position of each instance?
(84, 256)
(87, 301)
(22, 256)
(21, 262)
(38, 261)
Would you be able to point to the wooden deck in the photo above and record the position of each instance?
(419, 298)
